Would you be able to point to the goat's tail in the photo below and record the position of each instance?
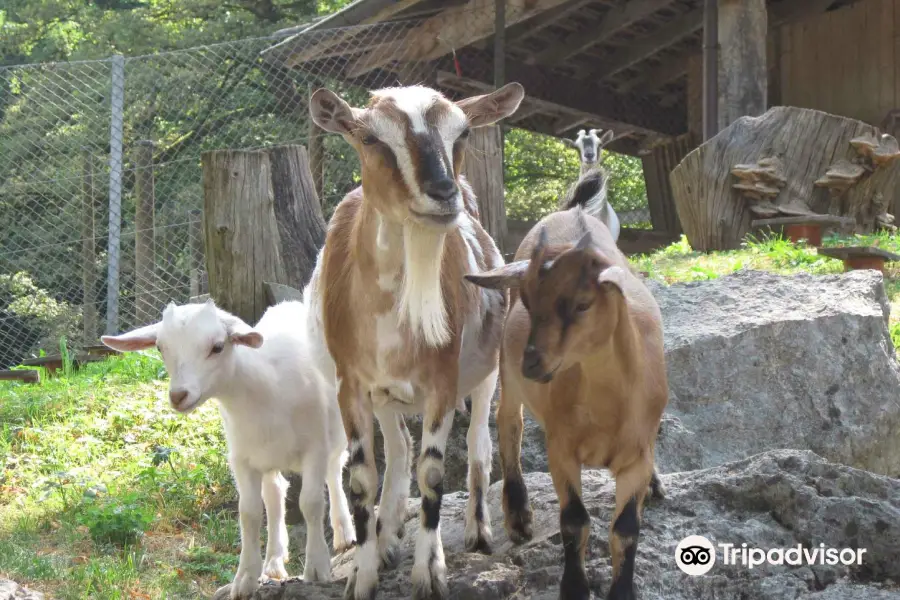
(589, 192)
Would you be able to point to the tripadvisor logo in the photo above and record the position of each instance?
(696, 555)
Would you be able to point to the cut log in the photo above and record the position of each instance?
(23, 375)
(829, 165)
(263, 222)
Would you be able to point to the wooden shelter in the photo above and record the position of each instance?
(663, 74)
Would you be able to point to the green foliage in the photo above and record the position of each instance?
(120, 521)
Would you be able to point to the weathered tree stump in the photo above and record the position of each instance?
(484, 171)
(262, 222)
(788, 162)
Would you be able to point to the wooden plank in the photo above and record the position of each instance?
(845, 252)
(567, 123)
(675, 31)
(617, 18)
(668, 70)
(538, 23)
(23, 375)
(456, 27)
(804, 220)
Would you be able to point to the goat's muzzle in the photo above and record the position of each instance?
(441, 190)
(533, 366)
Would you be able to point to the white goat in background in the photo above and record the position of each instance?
(279, 414)
(595, 177)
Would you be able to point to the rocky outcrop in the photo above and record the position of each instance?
(759, 361)
(10, 590)
(778, 499)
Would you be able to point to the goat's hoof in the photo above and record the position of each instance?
(621, 590)
(356, 590)
(480, 541)
(389, 554)
(244, 585)
(519, 526)
(429, 582)
(317, 570)
(274, 569)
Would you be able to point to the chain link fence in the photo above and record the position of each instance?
(100, 164)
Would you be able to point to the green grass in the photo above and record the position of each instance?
(106, 493)
(678, 262)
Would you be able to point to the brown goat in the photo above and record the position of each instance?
(583, 349)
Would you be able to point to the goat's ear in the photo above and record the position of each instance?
(487, 109)
(613, 276)
(606, 137)
(138, 339)
(239, 332)
(330, 112)
(501, 278)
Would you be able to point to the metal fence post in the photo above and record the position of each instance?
(116, 128)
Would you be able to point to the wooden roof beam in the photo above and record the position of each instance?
(526, 111)
(675, 67)
(540, 22)
(564, 124)
(668, 34)
(560, 95)
(456, 27)
(616, 19)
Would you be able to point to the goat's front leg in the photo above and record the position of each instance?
(274, 488)
(631, 487)
(516, 508)
(390, 525)
(339, 508)
(356, 413)
(429, 577)
(574, 521)
(312, 505)
(478, 535)
(250, 508)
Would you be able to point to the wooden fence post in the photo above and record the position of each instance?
(145, 285)
(195, 239)
(484, 170)
(262, 222)
(88, 250)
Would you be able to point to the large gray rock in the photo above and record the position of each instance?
(758, 361)
(10, 590)
(777, 499)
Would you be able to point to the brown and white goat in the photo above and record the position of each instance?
(405, 333)
(583, 350)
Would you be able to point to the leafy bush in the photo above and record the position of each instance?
(121, 521)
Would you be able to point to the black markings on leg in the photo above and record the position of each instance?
(517, 512)
(479, 499)
(431, 508)
(433, 453)
(378, 526)
(573, 520)
(361, 522)
(515, 494)
(656, 487)
(436, 425)
(358, 457)
(627, 526)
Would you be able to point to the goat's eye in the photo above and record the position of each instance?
(582, 307)
(217, 348)
(465, 133)
(369, 139)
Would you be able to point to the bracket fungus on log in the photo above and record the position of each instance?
(880, 150)
(760, 183)
(811, 167)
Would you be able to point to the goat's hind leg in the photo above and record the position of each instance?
(632, 483)
(516, 508)
(478, 536)
(390, 526)
(274, 488)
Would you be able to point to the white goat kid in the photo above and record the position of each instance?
(279, 414)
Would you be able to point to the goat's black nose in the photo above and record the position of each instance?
(441, 190)
(589, 157)
(532, 365)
